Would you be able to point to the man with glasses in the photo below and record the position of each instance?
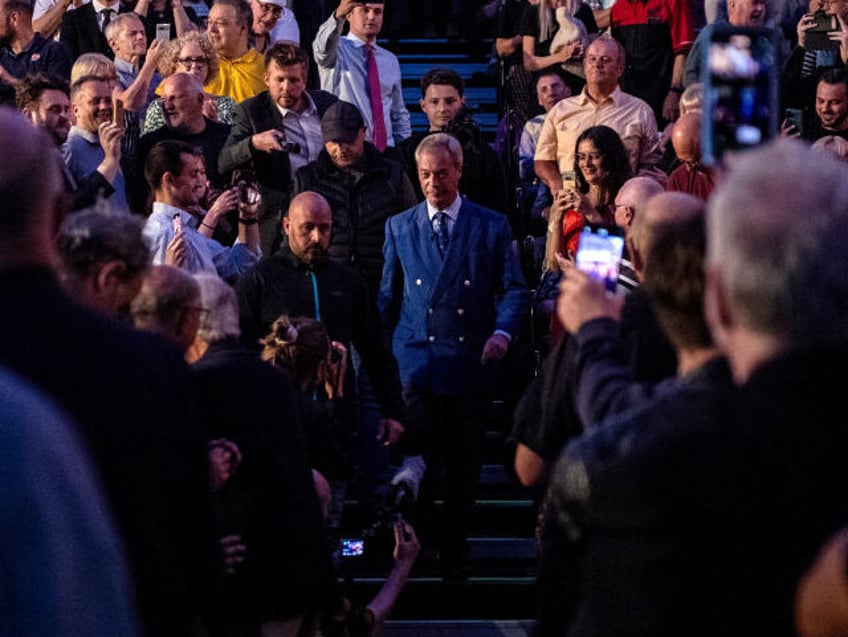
(241, 68)
(600, 102)
(180, 231)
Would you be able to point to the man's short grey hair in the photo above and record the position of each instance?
(89, 238)
(440, 141)
(118, 22)
(166, 292)
(221, 319)
(780, 246)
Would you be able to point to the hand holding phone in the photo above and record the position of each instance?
(163, 31)
(599, 255)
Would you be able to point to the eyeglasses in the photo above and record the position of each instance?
(588, 156)
(219, 23)
(188, 62)
(273, 9)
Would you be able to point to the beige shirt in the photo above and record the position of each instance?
(629, 116)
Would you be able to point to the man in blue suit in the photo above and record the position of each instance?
(454, 297)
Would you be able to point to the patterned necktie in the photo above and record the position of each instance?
(440, 228)
(107, 18)
(379, 137)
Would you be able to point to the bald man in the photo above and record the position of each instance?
(182, 105)
(691, 176)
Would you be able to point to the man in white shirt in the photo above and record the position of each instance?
(343, 64)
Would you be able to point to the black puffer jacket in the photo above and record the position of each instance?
(362, 198)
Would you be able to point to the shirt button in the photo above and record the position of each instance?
(466, 283)
(429, 310)
(461, 339)
(417, 281)
(460, 311)
(432, 339)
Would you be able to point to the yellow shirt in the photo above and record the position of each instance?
(240, 78)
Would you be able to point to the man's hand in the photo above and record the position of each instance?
(226, 201)
(224, 458)
(407, 545)
(154, 53)
(788, 129)
(389, 431)
(176, 254)
(110, 136)
(806, 23)
(232, 553)
(841, 36)
(210, 109)
(268, 141)
(345, 7)
(583, 298)
(671, 106)
(495, 348)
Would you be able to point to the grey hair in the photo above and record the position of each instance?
(440, 141)
(221, 319)
(118, 22)
(91, 237)
(778, 245)
(165, 293)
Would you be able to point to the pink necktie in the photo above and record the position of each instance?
(378, 136)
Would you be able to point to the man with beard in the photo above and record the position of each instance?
(46, 102)
(23, 51)
(300, 280)
(182, 105)
(94, 142)
(831, 106)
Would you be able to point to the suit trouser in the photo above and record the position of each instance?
(450, 431)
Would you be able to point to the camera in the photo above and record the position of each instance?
(289, 147)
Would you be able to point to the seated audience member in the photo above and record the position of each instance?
(832, 146)
(277, 132)
(101, 374)
(179, 232)
(643, 511)
(168, 304)
(691, 176)
(269, 501)
(183, 99)
(45, 100)
(240, 67)
(64, 570)
(443, 102)
(102, 260)
(191, 53)
(180, 16)
(550, 89)
(831, 107)
(517, 81)
(24, 51)
(94, 141)
(363, 187)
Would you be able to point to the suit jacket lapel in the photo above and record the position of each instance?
(424, 242)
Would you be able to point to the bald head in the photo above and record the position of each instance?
(308, 226)
(686, 138)
(632, 194)
(659, 209)
(182, 103)
(30, 192)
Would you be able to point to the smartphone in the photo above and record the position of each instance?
(795, 117)
(117, 112)
(741, 102)
(599, 254)
(163, 31)
(816, 37)
(569, 180)
(353, 547)
(177, 223)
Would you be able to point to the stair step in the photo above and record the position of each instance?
(457, 628)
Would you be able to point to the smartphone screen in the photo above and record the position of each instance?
(569, 180)
(599, 254)
(353, 547)
(741, 101)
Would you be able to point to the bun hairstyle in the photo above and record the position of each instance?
(297, 343)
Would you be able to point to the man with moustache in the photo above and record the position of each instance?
(831, 106)
(94, 142)
(266, 129)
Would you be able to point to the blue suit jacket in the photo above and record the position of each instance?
(442, 313)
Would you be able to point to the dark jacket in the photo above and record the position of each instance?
(284, 284)
(272, 170)
(361, 199)
(80, 32)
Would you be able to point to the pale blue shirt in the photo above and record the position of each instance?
(341, 68)
(83, 153)
(204, 253)
(303, 129)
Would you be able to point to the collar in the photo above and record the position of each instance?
(122, 66)
(613, 98)
(246, 58)
(170, 211)
(285, 253)
(34, 40)
(359, 42)
(91, 138)
(310, 109)
(99, 6)
(452, 210)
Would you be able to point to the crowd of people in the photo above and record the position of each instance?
(238, 288)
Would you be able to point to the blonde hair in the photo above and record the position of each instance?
(92, 64)
(168, 63)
